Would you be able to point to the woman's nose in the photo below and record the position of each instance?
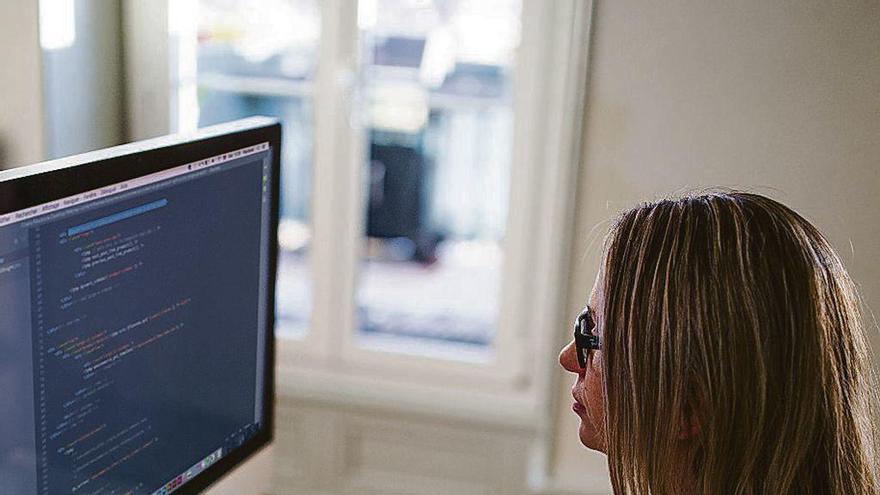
(568, 358)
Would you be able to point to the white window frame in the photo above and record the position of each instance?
(327, 364)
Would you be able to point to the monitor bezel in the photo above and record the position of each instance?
(32, 185)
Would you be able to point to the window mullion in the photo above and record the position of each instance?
(336, 189)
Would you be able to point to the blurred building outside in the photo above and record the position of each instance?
(436, 81)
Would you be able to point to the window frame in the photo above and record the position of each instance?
(549, 107)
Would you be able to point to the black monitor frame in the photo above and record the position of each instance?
(29, 186)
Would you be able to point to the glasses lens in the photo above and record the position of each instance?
(583, 335)
(580, 340)
(587, 321)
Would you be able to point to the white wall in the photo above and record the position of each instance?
(63, 101)
(21, 105)
(779, 97)
(146, 44)
(83, 84)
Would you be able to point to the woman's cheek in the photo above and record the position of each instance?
(595, 405)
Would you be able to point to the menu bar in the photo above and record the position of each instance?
(95, 194)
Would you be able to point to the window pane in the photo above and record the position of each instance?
(261, 61)
(437, 84)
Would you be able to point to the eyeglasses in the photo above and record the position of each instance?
(584, 338)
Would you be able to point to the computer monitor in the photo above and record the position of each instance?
(136, 313)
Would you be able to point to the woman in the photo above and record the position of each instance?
(722, 352)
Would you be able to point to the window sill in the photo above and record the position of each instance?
(519, 411)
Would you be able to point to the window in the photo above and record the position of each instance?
(436, 84)
(428, 159)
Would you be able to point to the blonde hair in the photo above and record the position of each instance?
(731, 313)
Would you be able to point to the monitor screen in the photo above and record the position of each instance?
(136, 322)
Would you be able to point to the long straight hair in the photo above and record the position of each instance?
(730, 315)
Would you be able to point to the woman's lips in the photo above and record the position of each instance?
(577, 407)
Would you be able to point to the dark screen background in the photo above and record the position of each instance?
(146, 333)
